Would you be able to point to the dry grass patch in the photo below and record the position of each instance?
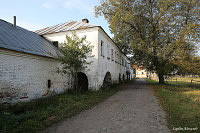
(181, 103)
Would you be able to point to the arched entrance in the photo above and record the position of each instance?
(120, 77)
(123, 77)
(82, 81)
(128, 75)
(107, 80)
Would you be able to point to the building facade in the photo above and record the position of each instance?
(109, 64)
(140, 72)
(28, 68)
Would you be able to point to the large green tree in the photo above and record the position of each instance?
(160, 33)
(74, 57)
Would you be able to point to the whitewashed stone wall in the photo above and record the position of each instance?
(105, 62)
(92, 38)
(101, 65)
(25, 76)
(141, 73)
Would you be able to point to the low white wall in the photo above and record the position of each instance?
(25, 76)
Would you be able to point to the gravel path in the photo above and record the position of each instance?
(134, 109)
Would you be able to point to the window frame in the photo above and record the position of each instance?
(112, 54)
(102, 48)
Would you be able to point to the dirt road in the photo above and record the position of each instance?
(134, 109)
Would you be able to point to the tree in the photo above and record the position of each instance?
(160, 32)
(189, 67)
(75, 52)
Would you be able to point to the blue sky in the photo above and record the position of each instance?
(37, 14)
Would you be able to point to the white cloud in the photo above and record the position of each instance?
(68, 5)
(47, 5)
(77, 4)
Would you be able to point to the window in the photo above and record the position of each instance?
(115, 57)
(112, 55)
(49, 83)
(55, 43)
(102, 48)
(120, 60)
(108, 52)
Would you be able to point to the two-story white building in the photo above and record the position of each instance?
(109, 64)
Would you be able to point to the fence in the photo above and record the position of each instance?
(192, 80)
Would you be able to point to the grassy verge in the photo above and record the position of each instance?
(39, 114)
(184, 81)
(181, 103)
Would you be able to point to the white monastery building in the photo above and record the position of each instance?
(28, 68)
(141, 72)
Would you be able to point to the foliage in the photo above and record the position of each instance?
(189, 66)
(181, 103)
(38, 114)
(162, 33)
(75, 51)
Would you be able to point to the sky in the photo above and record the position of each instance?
(37, 14)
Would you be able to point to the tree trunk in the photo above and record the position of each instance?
(161, 78)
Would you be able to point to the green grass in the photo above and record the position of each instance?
(38, 114)
(181, 101)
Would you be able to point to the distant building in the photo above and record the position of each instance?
(140, 72)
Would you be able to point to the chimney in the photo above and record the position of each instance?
(85, 20)
(14, 21)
